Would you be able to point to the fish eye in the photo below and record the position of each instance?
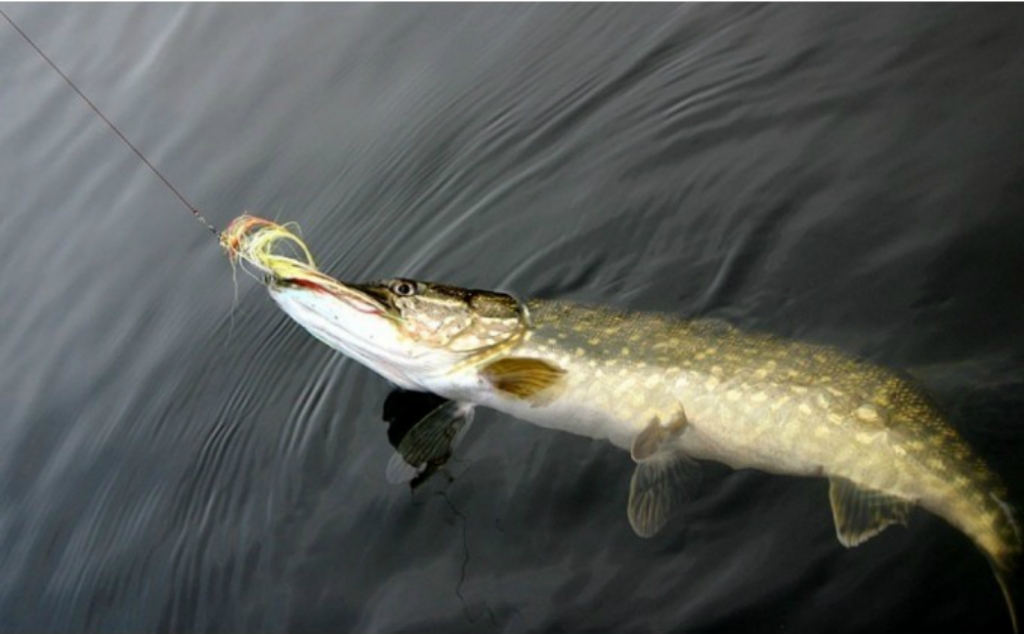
(403, 288)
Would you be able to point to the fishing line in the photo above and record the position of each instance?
(195, 212)
(465, 562)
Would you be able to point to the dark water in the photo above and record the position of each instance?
(845, 174)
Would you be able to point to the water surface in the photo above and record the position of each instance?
(177, 455)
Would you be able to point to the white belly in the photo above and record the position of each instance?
(734, 433)
(573, 410)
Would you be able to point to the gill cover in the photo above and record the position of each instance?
(456, 319)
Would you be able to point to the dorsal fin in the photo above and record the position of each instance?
(861, 513)
(522, 377)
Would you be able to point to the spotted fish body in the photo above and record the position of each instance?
(758, 401)
(666, 389)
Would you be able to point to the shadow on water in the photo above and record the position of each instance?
(171, 461)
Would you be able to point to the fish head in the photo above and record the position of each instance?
(406, 330)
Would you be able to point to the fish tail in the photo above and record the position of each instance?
(1005, 578)
(1002, 549)
(981, 511)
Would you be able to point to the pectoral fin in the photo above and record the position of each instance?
(861, 513)
(522, 377)
(660, 485)
(428, 445)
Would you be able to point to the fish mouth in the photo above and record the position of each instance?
(278, 257)
(353, 295)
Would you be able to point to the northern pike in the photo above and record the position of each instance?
(666, 389)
